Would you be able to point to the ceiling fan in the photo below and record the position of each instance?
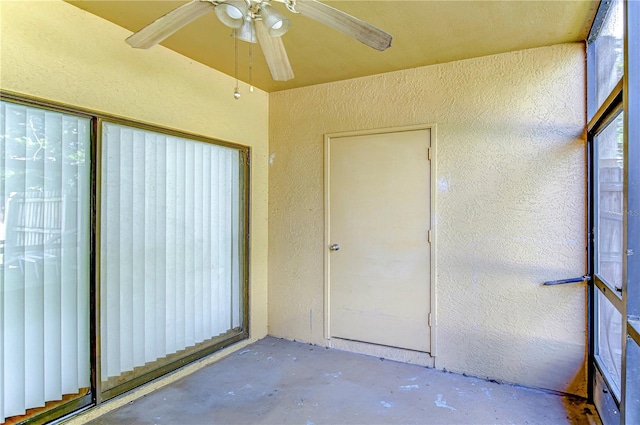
(258, 21)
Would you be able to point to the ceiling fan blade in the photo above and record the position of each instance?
(345, 23)
(274, 53)
(166, 25)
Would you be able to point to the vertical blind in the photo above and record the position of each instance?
(170, 271)
(44, 257)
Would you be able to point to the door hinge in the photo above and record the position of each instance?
(429, 236)
(429, 154)
(429, 319)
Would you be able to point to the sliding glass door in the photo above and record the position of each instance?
(171, 270)
(123, 255)
(44, 261)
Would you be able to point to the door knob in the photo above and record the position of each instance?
(334, 247)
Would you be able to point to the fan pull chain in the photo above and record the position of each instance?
(236, 93)
(251, 62)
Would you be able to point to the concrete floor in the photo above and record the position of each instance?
(275, 381)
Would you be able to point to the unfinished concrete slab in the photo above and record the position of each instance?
(275, 381)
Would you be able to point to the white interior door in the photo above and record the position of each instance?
(379, 218)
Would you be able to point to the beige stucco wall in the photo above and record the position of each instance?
(57, 52)
(510, 206)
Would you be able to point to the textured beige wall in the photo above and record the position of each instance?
(57, 52)
(510, 206)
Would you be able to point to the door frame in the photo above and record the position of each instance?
(327, 219)
(623, 409)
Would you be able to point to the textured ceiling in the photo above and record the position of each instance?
(424, 33)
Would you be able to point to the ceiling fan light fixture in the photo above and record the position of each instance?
(232, 13)
(275, 22)
(246, 32)
(249, 17)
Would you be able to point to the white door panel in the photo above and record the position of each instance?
(379, 215)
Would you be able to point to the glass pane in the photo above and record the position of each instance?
(632, 390)
(609, 55)
(170, 249)
(44, 259)
(610, 185)
(609, 341)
